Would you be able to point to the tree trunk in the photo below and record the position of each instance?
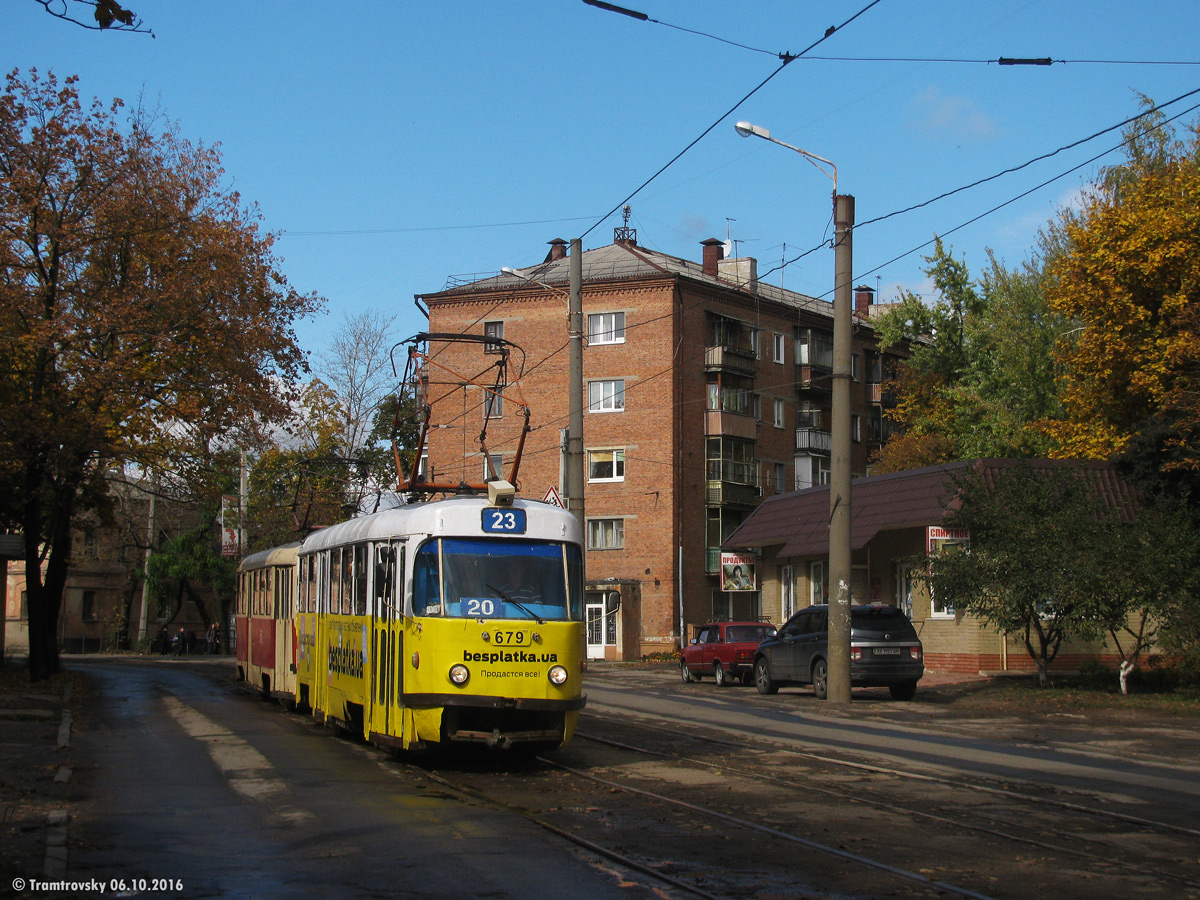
(1127, 667)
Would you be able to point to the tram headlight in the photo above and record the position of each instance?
(460, 674)
(557, 675)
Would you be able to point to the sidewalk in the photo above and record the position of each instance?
(35, 772)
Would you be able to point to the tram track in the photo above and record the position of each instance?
(883, 838)
(960, 822)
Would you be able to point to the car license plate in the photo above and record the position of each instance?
(887, 651)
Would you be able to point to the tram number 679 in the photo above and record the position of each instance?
(510, 637)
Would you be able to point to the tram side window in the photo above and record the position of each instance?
(302, 592)
(283, 593)
(335, 580)
(385, 568)
(360, 579)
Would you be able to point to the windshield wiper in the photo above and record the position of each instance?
(517, 603)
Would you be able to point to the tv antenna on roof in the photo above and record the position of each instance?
(623, 234)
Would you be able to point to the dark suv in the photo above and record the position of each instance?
(884, 652)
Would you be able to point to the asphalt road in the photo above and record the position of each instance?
(191, 787)
(198, 791)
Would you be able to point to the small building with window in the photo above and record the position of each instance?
(896, 519)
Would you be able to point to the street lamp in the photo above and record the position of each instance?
(574, 479)
(838, 685)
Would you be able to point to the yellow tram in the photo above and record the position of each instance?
(441, 621)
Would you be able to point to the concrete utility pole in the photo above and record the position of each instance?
(839, 465)
(575, 391)
(838, 677)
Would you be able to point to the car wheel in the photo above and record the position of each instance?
(906, 690)
(762, 677)
(721, 675)
(820, 679)
(685, 673)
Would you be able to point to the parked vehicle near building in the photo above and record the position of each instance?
(884, 652)
(724, 650)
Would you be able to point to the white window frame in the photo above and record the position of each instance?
(493, 330)
(606, 534)
(493, 402)
(497, 463)
(856, 428)
(611, 330)
(780, 478)
(616, 458)
(780, 344)
(779, 413)
(602, 399)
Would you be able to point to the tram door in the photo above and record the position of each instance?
(385, 633)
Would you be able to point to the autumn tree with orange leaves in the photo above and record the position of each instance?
(144, 319)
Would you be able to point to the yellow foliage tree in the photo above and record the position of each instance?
(1130, 277)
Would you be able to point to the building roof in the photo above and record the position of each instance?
(624, 261)
(799, 521)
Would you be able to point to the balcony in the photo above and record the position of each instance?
(719, 422)
(729, 493)
(811, 439)
(730, 359)
(814, 378)
(712, 560)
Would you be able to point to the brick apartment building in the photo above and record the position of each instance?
(705, 390)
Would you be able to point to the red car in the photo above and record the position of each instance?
(724, 650)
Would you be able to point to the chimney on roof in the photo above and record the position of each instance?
(864, 299)
(714, 252)
(558, 250)
(742, 271)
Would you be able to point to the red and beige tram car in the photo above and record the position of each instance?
(266, 652)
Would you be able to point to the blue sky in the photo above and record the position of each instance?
(394, 144)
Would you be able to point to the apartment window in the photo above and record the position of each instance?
(779, 412)
(756, 343)
(606, 534)
(493, 402)
(606, 328)
(606, 396)
(780, 478)
(606, 465)
(780, 342)
(494, 331)
(856, 428)
(820, 470)
(814, 348)
(88, 606)
(856, 366)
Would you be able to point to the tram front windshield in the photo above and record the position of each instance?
(493, 579)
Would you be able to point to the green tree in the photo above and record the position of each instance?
(1151, 576)
(145, 319)
(1036, 567)
(184, 566)
(980, 379)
